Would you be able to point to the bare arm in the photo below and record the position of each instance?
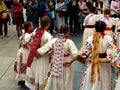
(82, 60)
(77, 57)
(37, 54)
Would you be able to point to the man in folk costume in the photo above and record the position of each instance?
(89, 23)
(37, 67)
(96, 76)
(109, 21)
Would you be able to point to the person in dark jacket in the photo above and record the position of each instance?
(99, 5)
(3, 20)
(33, 13)
(89, 4)
(73, 10)
(9, 3)
(48, 9)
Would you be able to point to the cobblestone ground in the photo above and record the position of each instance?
(8, 50)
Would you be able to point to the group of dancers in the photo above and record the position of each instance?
(44, 62)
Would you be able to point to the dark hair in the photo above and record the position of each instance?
(64, 29)
(45, 21)
(100, 26)
(92, 9)
(27, 25)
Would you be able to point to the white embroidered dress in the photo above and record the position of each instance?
(66, 81)
(105, 68)
(22, 54)
(39, 67)
(109, 22)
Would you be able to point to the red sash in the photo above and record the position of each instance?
(108, 29)
(35, 45)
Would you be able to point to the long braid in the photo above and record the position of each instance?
(95, 57)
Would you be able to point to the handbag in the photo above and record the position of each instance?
(86, 12)
(4, 16)
(52, 14)
(62, 12)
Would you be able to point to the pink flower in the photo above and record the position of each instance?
(111, 56)
(115, 64)
(119, 58)
(118, 49)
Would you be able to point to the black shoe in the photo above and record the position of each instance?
(21, 83)
(18, 35)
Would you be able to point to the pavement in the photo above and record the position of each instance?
(8, 51)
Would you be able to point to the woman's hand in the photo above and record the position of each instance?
(67, 64)
(37, 54)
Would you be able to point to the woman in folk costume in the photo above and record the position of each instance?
(22, 54)
(89, 23)
(114, 59)
(37, 67)
(109, 21)
(96, 76)
(59, 77)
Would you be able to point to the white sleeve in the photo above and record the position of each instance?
(27, 37)
(98, 17)
(110, 45)
(47, 37)
(110, 39)
(84, 21)
(73, 48)
(115, 33)
(111, 48)
(114, 21)
(44, 49)
(34, 32)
